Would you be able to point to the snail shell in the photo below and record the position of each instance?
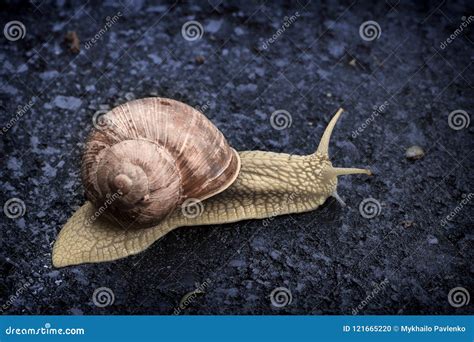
(152, 154)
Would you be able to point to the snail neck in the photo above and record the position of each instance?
(269, 184)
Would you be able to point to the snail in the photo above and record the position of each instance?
(159, 164)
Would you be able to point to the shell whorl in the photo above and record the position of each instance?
(152, 155)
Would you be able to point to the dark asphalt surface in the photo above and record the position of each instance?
(405, 260)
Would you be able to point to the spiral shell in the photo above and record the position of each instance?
(152, 155)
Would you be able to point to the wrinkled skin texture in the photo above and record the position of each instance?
(269, 184)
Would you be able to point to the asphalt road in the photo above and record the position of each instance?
(246, 62)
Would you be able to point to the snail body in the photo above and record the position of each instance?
(254, 185)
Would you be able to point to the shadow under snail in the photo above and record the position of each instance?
(156, 158)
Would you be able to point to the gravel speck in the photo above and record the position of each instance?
(67, 102)
(414, 152)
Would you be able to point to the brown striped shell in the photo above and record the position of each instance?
(147, 156)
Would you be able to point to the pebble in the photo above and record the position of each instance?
(155, 58)
(275, 255)
(238, 31)
(48, 75)
(414, 152)
(260, 71)
(336, 49)
(22, 68)
(8, 89)
(237, 263)
(199, 59)
(49, 171)
(67, 102)
(76, 311)
(15, 164)
(213, 26)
